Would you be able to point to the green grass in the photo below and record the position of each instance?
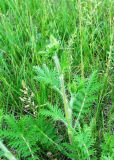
(81, 33)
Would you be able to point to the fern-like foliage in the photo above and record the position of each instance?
(27, 136)
(82, 145)
(86, 95)
(17, 137)
(108, 147)
(83, 98)
(48, 77)
(54, 112)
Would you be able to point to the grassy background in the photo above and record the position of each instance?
(83, 28)
(32, 31)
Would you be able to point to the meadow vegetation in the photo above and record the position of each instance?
(57, 79)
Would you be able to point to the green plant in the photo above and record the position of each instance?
(108, 147)
(78, 107)
(27, 136)
(75, 99)
(6, 152)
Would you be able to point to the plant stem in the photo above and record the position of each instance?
(7, 153)
(67, 109)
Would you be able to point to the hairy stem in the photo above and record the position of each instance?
(67, 109)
